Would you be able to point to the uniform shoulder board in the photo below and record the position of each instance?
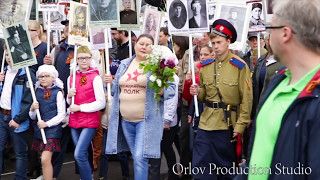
(206, 62)
(237, 62)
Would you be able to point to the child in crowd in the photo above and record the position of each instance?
(89, 99)
(15, 103)
(206, 53)
(51, 104)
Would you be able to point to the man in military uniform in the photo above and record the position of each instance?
(128, 16)
(20, 51)
(225, 83)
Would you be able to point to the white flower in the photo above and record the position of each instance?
(159, 83)
(152, 78)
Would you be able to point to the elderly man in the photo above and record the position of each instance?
(288, 138)
(225, 83)
(127, 15)
(198, 20)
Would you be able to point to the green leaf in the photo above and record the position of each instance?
(171, 79)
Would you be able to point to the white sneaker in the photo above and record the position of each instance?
(38, 178)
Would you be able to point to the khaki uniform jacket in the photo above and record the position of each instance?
(234, 82)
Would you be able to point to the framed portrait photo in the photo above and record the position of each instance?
(267, 9)
(238, 15)
(78, 24)
(151, 23)
(55, 18)
(97, 38)
(256, 23)
(198, 16)
(14, 11)
(19, 44)
(178, 17)
(211, 11)
(104, 13)
(129, 14)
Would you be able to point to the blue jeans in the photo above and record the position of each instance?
(104, 160)
(81, 139)
(20, 146)
(133, 132)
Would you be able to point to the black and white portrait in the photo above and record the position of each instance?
(151, 23)
(56, 17)
(128, 12)
(19, 45)
(102, 10)
(178, 14)
(14, 11)
(197, 14)
(238, 16)
(256, 20)
(211, 11)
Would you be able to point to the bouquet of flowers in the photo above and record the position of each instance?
(161, 63)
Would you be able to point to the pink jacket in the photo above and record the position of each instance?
(85, 94)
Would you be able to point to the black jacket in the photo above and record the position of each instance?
(299, 134)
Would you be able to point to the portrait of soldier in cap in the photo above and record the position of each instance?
(178, 14)
(199, 14)
(256, 15)
(19, 47)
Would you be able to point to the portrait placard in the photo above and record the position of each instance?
(177, 13)
(104, 13)
(55, 18)
(48, 5)
(19, 44)
(187, 16)
(97, 38)
(267, 9)
(256, 23)
(239, 16)
(14, 11)
(198, 16)
(211, 11)
(129, 16)
(151, 22)
(78, 24)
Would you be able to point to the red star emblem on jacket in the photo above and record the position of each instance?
(133, 76)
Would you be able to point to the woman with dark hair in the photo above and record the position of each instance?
(180, 45)
(136, 114)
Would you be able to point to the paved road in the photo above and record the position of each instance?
(68, 170)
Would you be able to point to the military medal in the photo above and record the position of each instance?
(83, 80)
(47, 94)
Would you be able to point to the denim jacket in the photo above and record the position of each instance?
(153, 117)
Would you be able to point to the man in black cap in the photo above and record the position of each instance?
(225, 83)
(178, 20)
(253, 43)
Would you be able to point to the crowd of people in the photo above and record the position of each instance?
(258, 116)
